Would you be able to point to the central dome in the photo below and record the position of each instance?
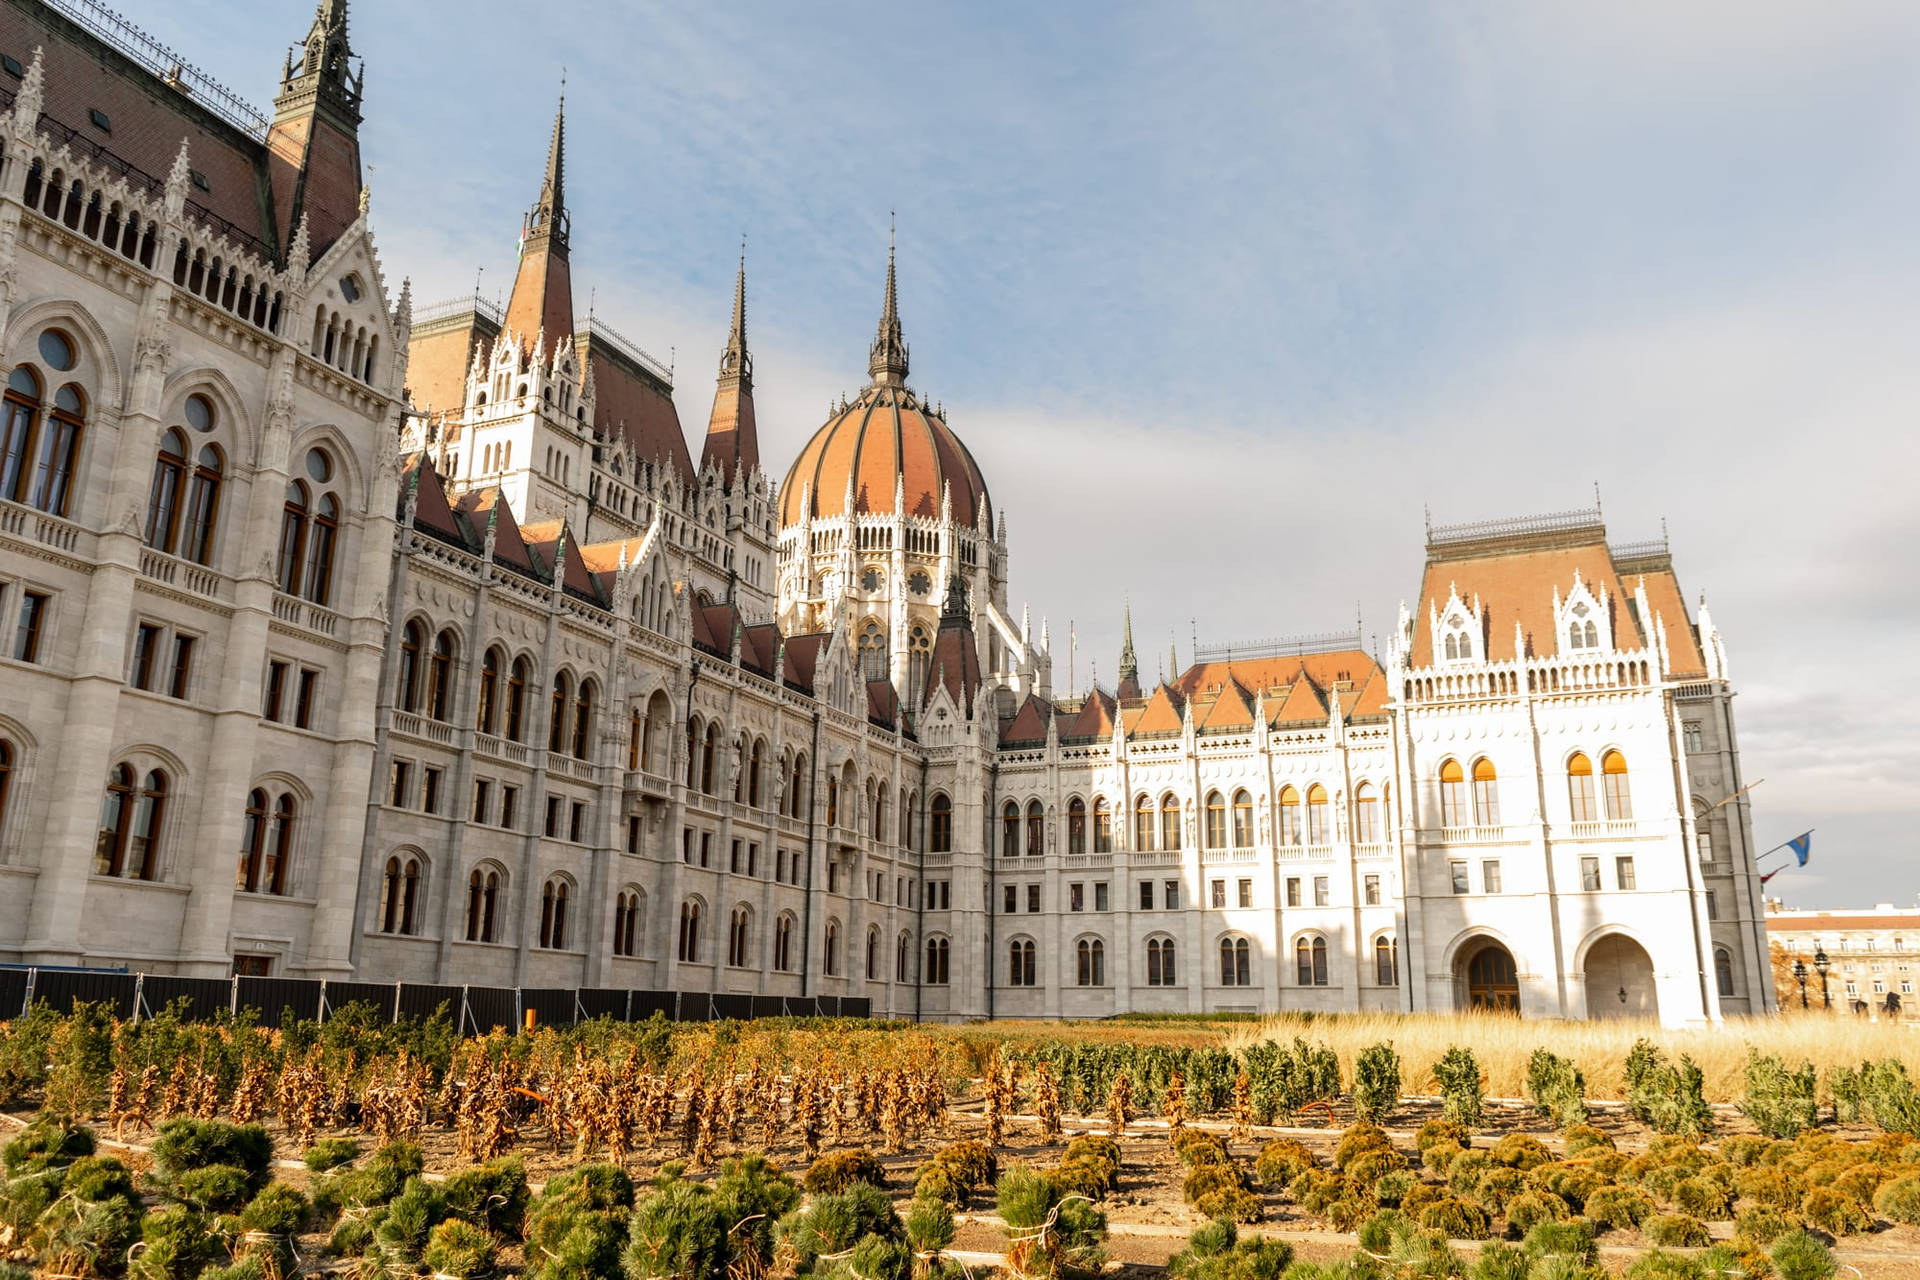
(886, 441)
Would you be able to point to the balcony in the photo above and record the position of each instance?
(1305, 852)
(1081, 861)
(568, 767)
(1372, 853)
(1156, 857)
(651, 785)
(501, 749)
(1229, 855)
(413, 726)
(304, 613)
(1610, 829)
(1471, 835)
(171, 571)
(50, 531)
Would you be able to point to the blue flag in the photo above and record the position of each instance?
(1801, 846)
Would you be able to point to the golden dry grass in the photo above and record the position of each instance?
(1503, 1044)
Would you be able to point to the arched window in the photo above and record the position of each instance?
(1143, 823)
(940, 825)
(1010, 830)
(693, 752)
(797, 790)
(739, 932)
(1580, 800)
(1076, 825)
(1242, 819)
(689, 951)
(1090, 962)
(1236, 963)
(1486, 794)
(919, 662)
(909, 810)
(1036, 829)
(557, 712)
(489, 691)
(55, 454)
(708, 782)
(1021, 971)
(1366, 815)
(130, 818)
(1289, 816)
(1102, 826)
(753, 772)
(1170, 822)
(163, 494)
(203, 504)
(1386, 961)
(553, 914)
(406, 691)
(517, 682)
(832, 965)
(1454, 811)
(1723, 971)
(783, 944)
(1216, 821)
(626, 923)
(873, 652)
(879, 812)
(317, 576)
(902, 958)
(873, 952)
(583, 721)
(1310, 961)
(833, 800)
(440, 677)
(6, 780)
(1319, 829)
(1160, 969)
(293, 536)
(17, 431)
(266, 843)
(400, 895)
(1613, 777)
(483, 902)
(937, 955)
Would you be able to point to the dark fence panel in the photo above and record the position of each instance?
(769, 1006)
(13, 992)
(856, 1007)
(278, 999)
(490, 1007)
(693, 1007)
(206, 998)
(421, 1000)
(600, 1003)
(377, 994)
(648, 1003)
(552, 1006)
(732, 1006)
(61, 989)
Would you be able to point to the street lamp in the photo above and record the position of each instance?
(1821, 963)
(1800, 976)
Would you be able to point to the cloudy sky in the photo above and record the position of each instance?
(1223, 297)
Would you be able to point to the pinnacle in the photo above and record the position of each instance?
(887, 361)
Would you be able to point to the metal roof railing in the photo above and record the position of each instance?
(629, 348)
(119, 33)
(1549, 522)
(1278, 647)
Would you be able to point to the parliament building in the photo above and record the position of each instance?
(352, 639)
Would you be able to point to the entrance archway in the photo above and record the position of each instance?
(1491, 979)
(1619, 978)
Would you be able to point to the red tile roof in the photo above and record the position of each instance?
(883, 438)
(1029, 723)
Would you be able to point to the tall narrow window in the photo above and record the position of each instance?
(1076, 825)
(406, 691)
(753, 773)
(180, 679)
(626, 924)
(937, 959)
(1486, 794)
(553, 915)
(1319, 828)
(1723, 971)
(27, 630)
(1036, 829)
(517, 701)
(709, 783)
(831, 965)
(583, 720)
(783, 944)
(440, 677)
(1216, 821)
(317, 576)
(1102, 827)
(1142, 824)
(1580, 789)
(6, 779)
(1366, 815)
(1010, 830)
(1310, 961)
(557, 713)
(940, 824)
(400, 891)
(873, 953)
(689, 950)
(1454, 809)
(1170, 822)
(293, 536)
(17, 430)
(163, 494)
(1236, 963)
(1289, 816)
(1160, 962)
(1386, 961)
(59, 451)
(130, 824)
(1613, 774)
(1021, 967)
(489, 691)
(1242, 819)
(483, 896)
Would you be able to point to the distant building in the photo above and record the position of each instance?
(1871, 951)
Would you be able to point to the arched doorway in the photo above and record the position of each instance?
(1491, 979)
(1619, 978)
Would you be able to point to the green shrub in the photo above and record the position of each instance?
(91, 1223)
(47, 1143)
(1464, 1174)
(1284, 1078)
(1461, 1094)
(1389, 1189)
(1779, 1101)
(1676, 1231)
(1521, 1151)
(1365, 1168)
(834, 1223)
(1703, 1198)
(1437, 1131)
(678, 1229)
(1555, 1239)
(1744, 1150)
(1800, 1256)
(1242, 1206)
(400, 1236)
(1763, 1224)
(247, 1268)
(1073, 1245)
(330, 1153)
(492, 1196)
(1358, 1140)
(1497, 1186)
(217, 1188)
(977, 1163)
(176, 1243)
(1558, 1089)
(1281, 1159)
(1376, 1081)
(874, 1258)
(754, 1194)
(1211, 1177)
(1499, 1260)
(1315, 1189)
(1774, 1187)
(1530, 1208)
(1439, 1157)
(578, 1224)
(1197, 1146)
(1835, 1212)
(1215, 1252)
(838, 1170)
(1899, 1200)
(185, 1145)
(929, 1225)
(1090, 1166)
(586, 1247)
(1848, 1087)
(457, 1247)
(1618, 1206)
(270, 1223)
(1669, 1098)
(1571, 1182)
(1457, 1219)
(1418, 1197)
(1582, 1139)
(1658, 1264)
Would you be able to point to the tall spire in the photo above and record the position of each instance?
(542, 296)
(887, 361)
(733, 444)
(1129, 665)
(313, 144)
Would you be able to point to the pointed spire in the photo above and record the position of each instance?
(27, 101)
(887, 361)
(297, 255)
(733, 440)
(954, 611)
(175, 198)
(734, 361)
(542, 296)
(553, 188)
(1129, 686)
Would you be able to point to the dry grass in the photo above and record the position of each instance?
(1503, 1045)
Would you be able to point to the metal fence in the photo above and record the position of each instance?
(476, 1010)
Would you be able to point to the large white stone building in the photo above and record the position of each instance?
(507, 689)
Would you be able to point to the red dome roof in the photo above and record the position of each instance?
(885, 437)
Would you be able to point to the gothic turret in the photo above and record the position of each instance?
(733, 444)
(1129, 665)
(887, 361)
(314, 142)
(542, 297)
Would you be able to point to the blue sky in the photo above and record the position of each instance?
(1222, 296)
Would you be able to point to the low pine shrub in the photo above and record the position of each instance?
(837, 1170)
(176, 1243)
(1775, 1187)
(1899, 1200)
(1744, 1150)
(1617, 1206)
(400, 1236)
(1457, 1219)
(577, 1225)
(1499, 1260)
(1243, 1206)
(1208, 1178)
(1074, 1243)
(1464, 1174)
(1314, 1189)
(1418, 1197)
(458, 1248)
(1670, 1098)
(1284, 1078)
(1676, 1231)
(1358, 1140)
(1376, 1081)
(1530, 1208)
(956, 1173)
(1703, 1198)
(330, 1153)
(1215, 1252)
(754, 1195)
(1367, 1167)
(491, 1196)
(1779, 1101)
(1437, 1131)
(1389, 1189)
(1557, 1088)
(1197, 1147)
(1462, 1096)
(1764, 1224)
(1521, 1151)
(1377, 1231)
(1800, 1256)
(47, 1143)
(1583, 1139)
(929, 1225)
(1835, 1212)
(269, 1225)
(1090, 1166)
(1861, 1182)
(1556, 1239)
(185, 1146)
(678, 1229)
(1498, 1186)
(88, 1229)
(1658, 1264)
(835, 1223)
(1571, 1182)
(1281, 1159)
(1439, 1157)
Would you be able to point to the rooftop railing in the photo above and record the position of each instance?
(116, 31)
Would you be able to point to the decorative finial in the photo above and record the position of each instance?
(887, 362)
